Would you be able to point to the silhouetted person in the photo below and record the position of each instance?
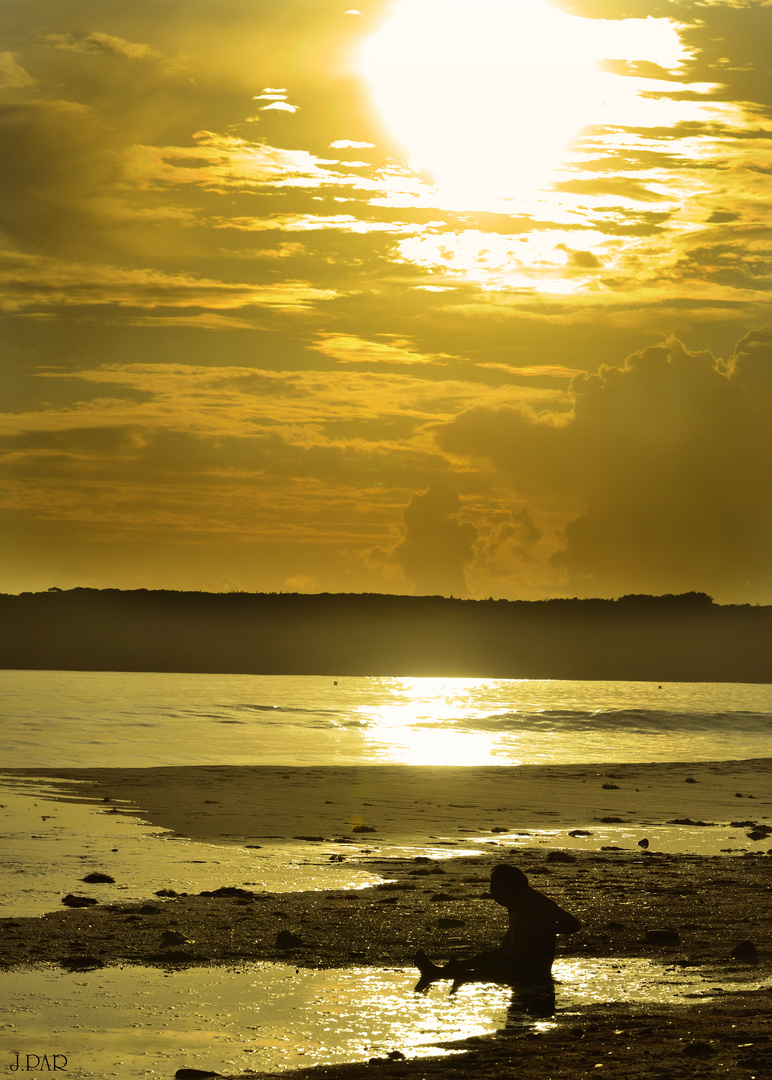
(524, 958)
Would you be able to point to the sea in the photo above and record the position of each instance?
(75, 719)
(146, 1022)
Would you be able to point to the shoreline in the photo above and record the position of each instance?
(251, 803)
(714, 902)
(701, 1041)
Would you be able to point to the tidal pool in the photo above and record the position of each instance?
(149, 1022)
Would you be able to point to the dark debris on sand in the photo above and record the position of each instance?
(713, 904)
(715, 911)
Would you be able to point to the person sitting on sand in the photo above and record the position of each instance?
(525, 956)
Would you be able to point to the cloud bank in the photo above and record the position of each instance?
(662, 469)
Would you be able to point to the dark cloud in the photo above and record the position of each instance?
(437, 546)
(721, 217)
(663, 470)
(621, 221)
(580, 260)
(731, 44)
(150, 457)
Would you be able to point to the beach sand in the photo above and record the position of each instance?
(249, 804)
(477, 817)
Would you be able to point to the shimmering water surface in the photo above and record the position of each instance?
(140, 1022)
(147, 1023)
(136, 719)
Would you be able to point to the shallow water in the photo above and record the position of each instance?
(146, 1022)
(134, 719)
(267, 1016)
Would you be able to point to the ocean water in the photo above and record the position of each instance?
(122, 1021)
(135, 719)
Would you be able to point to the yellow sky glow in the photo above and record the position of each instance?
(290, 297)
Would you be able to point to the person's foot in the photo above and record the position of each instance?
(429, 971)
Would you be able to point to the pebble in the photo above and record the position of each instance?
(664, 936)
(285, 939)
(78, 901)
(745, 950)
(698, 1049)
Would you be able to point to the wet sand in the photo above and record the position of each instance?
(712, 902)
(250, 804)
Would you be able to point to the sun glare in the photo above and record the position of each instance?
(418, 725)
(487, 95)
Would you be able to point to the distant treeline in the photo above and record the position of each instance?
(662, 638)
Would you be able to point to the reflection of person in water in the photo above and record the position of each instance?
(524, 958)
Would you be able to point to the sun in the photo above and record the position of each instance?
(483, 96)
(486, 95)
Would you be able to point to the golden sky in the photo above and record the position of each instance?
(450, 296)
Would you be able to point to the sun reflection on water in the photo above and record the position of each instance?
(408, 725)
(136, 1021)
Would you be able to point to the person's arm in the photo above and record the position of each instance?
(564, 922)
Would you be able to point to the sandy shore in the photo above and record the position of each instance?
(712, 902)
(249, 804)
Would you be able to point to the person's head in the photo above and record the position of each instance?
(506, 882)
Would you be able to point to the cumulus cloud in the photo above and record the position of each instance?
(436, 546)
(515, 557)
(661, 469)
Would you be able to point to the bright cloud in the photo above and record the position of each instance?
(38, 282)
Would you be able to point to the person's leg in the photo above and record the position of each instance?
(537, 998)
(486, 967)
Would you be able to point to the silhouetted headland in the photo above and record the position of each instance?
(663, 638)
